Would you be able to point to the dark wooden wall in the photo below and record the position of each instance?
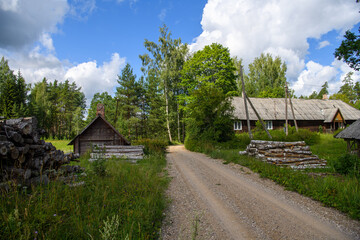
(97, 133)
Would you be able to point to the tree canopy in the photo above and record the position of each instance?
(349, 50)
(266, 77)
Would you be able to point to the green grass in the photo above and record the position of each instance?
(61, 145)
(329, 148)
(334, 190)
(128, 202)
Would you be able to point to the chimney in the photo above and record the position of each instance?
(100, 110)
(325, 97)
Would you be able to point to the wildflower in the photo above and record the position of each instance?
(54, 214)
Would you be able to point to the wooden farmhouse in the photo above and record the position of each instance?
(351, 135)
(100, 132)
(309, 113)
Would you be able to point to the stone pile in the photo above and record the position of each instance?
(293, 154)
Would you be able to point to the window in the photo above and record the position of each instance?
(269, 125)
(237, 125)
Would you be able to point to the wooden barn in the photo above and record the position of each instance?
(309, 113)
(351, 135)
(99, 131)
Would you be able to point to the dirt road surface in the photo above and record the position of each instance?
(211, 200)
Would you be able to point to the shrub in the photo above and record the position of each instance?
(99, 167)
(348, 164)
(152, 145)
(306, 135)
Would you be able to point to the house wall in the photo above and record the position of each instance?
(98, 133)
(280, 124)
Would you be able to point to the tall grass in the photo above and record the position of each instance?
(338, 191)
(126, 203)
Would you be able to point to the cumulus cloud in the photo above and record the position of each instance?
(90, 76)
(93, 78)
(251, 27)
(22, 22)
(313, 77)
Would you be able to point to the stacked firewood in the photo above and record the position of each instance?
(294, 154)
(24, 157)
(130, 153)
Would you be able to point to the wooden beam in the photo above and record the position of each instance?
(245, 103)
(258, 116)
(293, 113)
(286, 110)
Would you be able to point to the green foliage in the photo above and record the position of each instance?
(109, 105)
(348, 164)
(152, 146)
(209, 114)
(98, 167)
(266, 77)
(306, 135)
(127, 203)
(209, 81)
(349, 50)
(129, 93)
(13, 92)
(163, 70)
(212, 65)
(59, 108)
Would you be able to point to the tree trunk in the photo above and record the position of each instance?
(178, 122)
(167, 111)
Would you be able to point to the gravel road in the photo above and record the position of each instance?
(210, 200)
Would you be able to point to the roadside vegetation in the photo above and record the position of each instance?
(335, 186)
(118, 200)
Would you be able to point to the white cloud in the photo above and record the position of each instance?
(162, 14)
(47, 42)
(90, 76)
(23, 22)
(93, 78)
(323, 44)
(9, 5)
(313, 77)
(250, 27)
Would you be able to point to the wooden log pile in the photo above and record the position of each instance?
(293, 154)
(131, 153)
(24, 157)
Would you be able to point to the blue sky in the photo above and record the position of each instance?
(90, 41)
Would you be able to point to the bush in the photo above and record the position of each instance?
(152, 145)
(348, 164)
(306, 135)
(99, 167)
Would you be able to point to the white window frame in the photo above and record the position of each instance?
(238, 125)
(269, 125)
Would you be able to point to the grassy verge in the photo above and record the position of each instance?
(61, 145)
(126, 203)
(338, 191)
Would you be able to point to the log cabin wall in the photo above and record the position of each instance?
(98, 132)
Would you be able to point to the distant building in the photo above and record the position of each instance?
(352, 137)
(99, 131)
(309, 113)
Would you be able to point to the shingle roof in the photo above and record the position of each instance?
(305, 109)
(351, 132)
